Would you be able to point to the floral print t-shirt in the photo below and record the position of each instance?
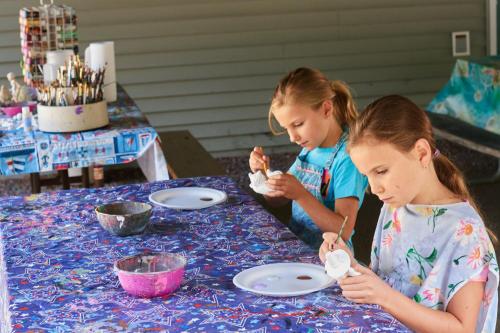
(428, 252)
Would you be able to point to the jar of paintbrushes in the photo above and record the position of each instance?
(74, 101)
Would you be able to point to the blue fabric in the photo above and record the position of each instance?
(472, 95)
(346, 181)
(125, 139)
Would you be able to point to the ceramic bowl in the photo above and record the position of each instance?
(151, 275)
(124, 218)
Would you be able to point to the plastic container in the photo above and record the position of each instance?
(151, 275)
(11, 111)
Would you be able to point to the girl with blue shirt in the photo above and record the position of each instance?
(322, 183)
(433, 264)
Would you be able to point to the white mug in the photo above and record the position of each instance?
(338, 264)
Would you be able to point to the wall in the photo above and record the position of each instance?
(210, 66)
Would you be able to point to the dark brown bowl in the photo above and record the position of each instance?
(124, 218)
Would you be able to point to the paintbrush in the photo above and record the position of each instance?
(331, 247)
(266, 168)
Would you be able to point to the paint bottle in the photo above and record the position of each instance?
(27, 120)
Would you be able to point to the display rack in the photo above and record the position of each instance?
(45, 28)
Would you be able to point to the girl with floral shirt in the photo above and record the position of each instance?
(433, 266)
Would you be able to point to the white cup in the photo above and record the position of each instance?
(338, 264)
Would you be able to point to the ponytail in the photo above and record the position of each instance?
(451, 177)
(344, 103)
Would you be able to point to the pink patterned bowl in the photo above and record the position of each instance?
(151, 275)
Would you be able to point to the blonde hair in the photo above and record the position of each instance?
(397, 120)
(311, 88)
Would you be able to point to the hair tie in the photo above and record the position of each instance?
(436, 153)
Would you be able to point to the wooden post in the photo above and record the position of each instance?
(85, 177)
(63, 176)
(35, 182)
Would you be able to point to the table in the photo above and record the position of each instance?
(56, 268)
(128, 137)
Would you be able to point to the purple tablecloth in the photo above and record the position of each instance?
(57, 268)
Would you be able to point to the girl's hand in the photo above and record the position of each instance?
(329, 245)
(258, 160)
(365, 288)
(285, 185)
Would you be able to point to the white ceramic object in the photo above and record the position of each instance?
(338, 264)
(99, 55)
(188, 197)
(258, 181)
(74, 118)
(283, 279)
(55, 59)
(59, 57)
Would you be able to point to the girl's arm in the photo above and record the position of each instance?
(287, 186)
(461, 314)
(328, 220)
(276, 201)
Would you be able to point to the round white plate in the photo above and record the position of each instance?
(188, 197)
(283, 279)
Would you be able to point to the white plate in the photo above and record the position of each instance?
(188, 197)
(283, 279)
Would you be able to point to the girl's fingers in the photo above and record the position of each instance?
(352, 281)
(275, 181)
(355, 296)
(362, 269)
(275, 194)
(257, 158)
(322, 251)
(328, 241)
(351, 285)
(329, 237)
(276, 189)
(258, 150)
(256, 162)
